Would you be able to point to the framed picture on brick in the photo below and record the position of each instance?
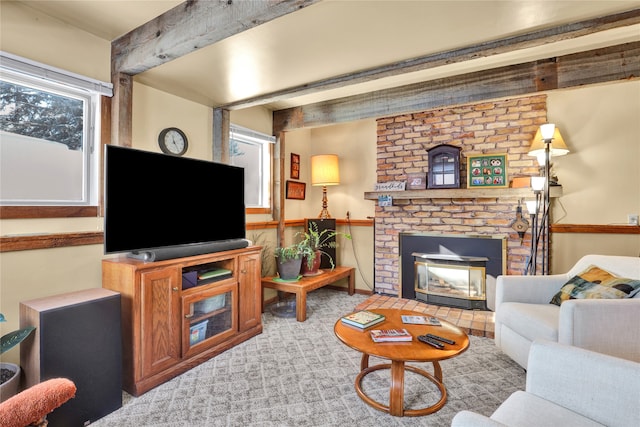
(487, 171)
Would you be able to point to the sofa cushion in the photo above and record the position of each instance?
(526, 409)
(595, 282)
(532, 321)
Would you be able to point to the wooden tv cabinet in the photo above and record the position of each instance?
(173, 321)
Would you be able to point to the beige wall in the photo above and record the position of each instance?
(354, 143)
(26, 275)
(600, 176)
(38, 37)
(154, 111)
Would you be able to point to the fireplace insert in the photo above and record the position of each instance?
(451, 280)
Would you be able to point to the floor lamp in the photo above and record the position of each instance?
(547, 143)
(325, 171)
(537, 184)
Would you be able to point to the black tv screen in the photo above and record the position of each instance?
(157, 200)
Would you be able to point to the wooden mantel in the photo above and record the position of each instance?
(460, 193)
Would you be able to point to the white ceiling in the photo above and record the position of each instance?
(338, 37)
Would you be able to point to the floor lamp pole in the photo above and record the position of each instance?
(533, 259)
(547, 203)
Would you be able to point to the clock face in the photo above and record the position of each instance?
(173, 141)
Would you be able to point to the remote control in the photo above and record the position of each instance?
(445, 340)
(430, 341)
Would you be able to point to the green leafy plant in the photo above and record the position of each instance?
(295, 251)
(315, 241)
(14, 338)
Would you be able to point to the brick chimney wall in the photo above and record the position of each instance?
(505, 126)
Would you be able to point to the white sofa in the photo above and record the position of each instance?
(524, 314)
(570, 387)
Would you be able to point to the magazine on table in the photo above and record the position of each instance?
(421, 320)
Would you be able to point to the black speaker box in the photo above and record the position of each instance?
(77, 337)
(325, 224)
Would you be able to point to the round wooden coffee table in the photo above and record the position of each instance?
(399, 353)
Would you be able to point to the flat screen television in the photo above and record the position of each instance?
(159, 206)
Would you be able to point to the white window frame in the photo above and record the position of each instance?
(39, 76)
(263, 141)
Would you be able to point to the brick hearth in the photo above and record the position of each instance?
(473, 322)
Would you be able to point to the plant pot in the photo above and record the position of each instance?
(10, 388)
(290, 269)
(315, 266)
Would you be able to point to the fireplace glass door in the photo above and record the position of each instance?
(451, 281)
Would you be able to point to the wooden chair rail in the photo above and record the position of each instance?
(595, 228)
(59, 240)
(50, 240)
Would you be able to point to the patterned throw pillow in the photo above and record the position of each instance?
(595, 282)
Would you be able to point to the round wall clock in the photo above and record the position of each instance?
(173, 141)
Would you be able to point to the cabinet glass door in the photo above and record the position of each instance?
(209, 317)
(444, 167)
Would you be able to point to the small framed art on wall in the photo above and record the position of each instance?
(487, 171)
(296, 190)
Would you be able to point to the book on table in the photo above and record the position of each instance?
(363, 319)
(420, 320)
(390, 335)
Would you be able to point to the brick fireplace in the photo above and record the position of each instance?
(504, 126)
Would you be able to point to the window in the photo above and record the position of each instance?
(250, 150)
(49, 136)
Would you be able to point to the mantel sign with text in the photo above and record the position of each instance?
(391, 186)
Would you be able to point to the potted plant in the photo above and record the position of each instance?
(314, 242)
(289, 260)
(10, 372)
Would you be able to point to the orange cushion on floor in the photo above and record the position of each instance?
(35, 402)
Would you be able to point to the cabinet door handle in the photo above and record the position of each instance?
(243, 271)
(175, 289)
(188, 316)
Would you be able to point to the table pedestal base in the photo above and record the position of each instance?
(396, 393)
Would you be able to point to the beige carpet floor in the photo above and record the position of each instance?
(299, 374)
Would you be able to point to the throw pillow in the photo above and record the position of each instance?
(595, 282)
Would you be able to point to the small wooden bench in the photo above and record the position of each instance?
(307, 284)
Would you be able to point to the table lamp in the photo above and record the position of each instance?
(324, 171)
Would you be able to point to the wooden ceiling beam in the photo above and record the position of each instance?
(482, 50)
(190, 26)
(186, 28)
(596, 66)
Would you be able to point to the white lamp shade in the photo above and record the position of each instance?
(557, 147)
(547, 130)
(537, 183)
(324, 170)
(531, 206)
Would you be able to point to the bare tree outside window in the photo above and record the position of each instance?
(45, 144)
(35, 113)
